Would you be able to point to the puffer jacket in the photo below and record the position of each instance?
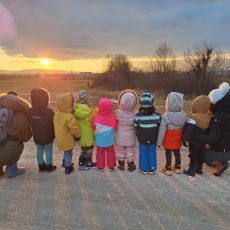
(65, 124)
(172, 122)
(126, 135)
(104, 124)
(19, 130)
(219, 129)
(200, 119)
(84, 115)
(41, 117)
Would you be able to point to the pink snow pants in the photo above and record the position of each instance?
(111, 157)
(125, 152)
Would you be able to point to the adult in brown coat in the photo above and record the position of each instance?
(18, 132)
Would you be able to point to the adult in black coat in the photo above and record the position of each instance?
(219, 129)
(41, 119)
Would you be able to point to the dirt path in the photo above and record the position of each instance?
(112, 200)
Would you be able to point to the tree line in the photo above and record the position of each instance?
(200, 70)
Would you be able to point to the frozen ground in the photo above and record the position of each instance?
(112, 200)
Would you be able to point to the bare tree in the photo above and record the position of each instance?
(164, 60)
(118, 63)
(205, 61)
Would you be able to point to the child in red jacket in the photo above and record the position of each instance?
(170, 133)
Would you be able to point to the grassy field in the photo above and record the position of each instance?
(56, 86)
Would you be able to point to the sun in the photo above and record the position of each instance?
(45, 61)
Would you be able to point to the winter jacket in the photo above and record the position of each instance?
(199, 119)
(172, 122)
(19, 130)
(219, 128)
(104, 124)
(84, 115)
(65, 124)
(126, 135)
(146, 127)
(41, 117)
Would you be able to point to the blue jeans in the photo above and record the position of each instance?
(48, 149)
(147, 157)
(68, 157)
(11, 169)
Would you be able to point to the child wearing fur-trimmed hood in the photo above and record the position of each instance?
(197, 124)
(126, 136)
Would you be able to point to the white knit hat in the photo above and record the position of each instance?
(217, 94)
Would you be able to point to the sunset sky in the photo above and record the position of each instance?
(78, 34)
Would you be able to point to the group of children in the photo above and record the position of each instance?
(118, 131)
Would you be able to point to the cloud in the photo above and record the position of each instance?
(93, 28)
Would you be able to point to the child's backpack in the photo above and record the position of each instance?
(6, 115)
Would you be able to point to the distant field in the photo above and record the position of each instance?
(56, 86)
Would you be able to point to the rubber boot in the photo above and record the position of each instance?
(131, 166)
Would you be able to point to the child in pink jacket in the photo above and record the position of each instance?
(104, 124)
(126, 136)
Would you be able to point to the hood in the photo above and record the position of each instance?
(200, 111)
(175, 118)
(105, 106)
(222, 105)
(82, 111)
(65, 102)
(40, 97)
(201, 104)
(174, 102)
(218, 94)
(14, 102)
(127, 100)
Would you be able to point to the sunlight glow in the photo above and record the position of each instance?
(45, 61)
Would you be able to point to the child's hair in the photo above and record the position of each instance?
(12, 93)
(147, 111)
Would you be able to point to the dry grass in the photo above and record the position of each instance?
(56, 86)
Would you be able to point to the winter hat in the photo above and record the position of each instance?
(146, 100)
(127, 100)
(218, 94)
(83, 97)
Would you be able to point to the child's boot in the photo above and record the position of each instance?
(189, 172)
(131, 166)
(50, 168)
(177, 169)
(166, 170)
(121, 165)
(42, 167)
(91, 164)
(82, 161)
(199, 170)
(69, 170)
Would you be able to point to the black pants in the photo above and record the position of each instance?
(196, 154)
(168, 155)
